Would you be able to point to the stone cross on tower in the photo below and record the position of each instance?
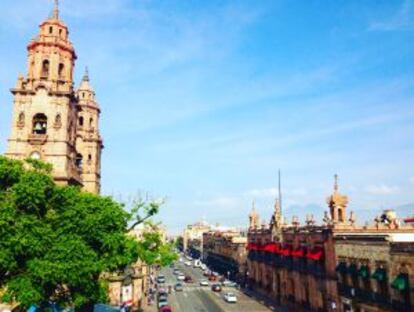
(337, 204)
(56, 10)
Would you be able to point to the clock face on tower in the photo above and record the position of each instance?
(35, 155)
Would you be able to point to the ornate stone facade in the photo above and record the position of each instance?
(52, 120)
(337, 266)
(225, 252)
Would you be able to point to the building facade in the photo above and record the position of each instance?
(336, 266)
(52, 120)
(225, 252)
(193, 238)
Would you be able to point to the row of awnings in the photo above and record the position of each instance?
(287, 250)
(380, 274)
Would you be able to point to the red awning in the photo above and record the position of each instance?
(298, 253)
(285, 251)
(315, 254)
(252, 246)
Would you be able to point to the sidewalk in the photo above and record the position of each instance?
(269, 302)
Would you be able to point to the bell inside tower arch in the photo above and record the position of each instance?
(39, 124)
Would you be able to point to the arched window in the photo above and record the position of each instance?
(89, 159)
(50, 29)
(60, 32)
(20, 121)
(39, 124)
(45, 69)
(91, 122)
(58, 121)
(79, 161)
(81, 121)
(61, 71)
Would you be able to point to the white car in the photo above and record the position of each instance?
(230, 297)
(181, 277)
(204, 283)
(188, 263)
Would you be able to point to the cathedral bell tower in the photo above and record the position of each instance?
(88, 140)
(46, 106)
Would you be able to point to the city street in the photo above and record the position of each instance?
(196, 298)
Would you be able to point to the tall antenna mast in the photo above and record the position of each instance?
(280, 193)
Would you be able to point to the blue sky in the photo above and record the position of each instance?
(203, 101)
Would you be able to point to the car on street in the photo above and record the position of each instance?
(160, 279)
(162, 303)
(230, 297)
(188, 279)
(226, 282)
(188, 263)
(180, 277)
(216, 287)
(176, 272)
(178, 287)
(204, 283)
(162, 297)
(212, 278)
(206, 273)
(166, 309)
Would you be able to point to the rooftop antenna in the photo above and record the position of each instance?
(280, 193)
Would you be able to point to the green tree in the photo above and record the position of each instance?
(56, 241)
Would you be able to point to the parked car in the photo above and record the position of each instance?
(204, 283)
(230, 297)
(178, 287)
(180, 277)
(166, 309)
(176, 272)
(216, 287)
(206, 273)
(188, 279)
(188, 263)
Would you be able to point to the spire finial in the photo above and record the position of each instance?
(86, 74)
(336, 183)
(56, 10)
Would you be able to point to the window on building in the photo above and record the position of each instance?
(79, 161)
(81, 121)
(50, 30)
(20, 121)
(61, 71)
(60, 32)
(45, 69)
(91, 122)
(39, 124)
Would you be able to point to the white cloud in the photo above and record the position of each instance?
(382, 189)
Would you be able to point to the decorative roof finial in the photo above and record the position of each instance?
(86, 74)
(56, 10)
(336, 183)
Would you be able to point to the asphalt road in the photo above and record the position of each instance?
(195, 298)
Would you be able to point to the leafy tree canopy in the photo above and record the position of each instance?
(55, 241)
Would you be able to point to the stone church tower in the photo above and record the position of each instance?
(51, 120)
